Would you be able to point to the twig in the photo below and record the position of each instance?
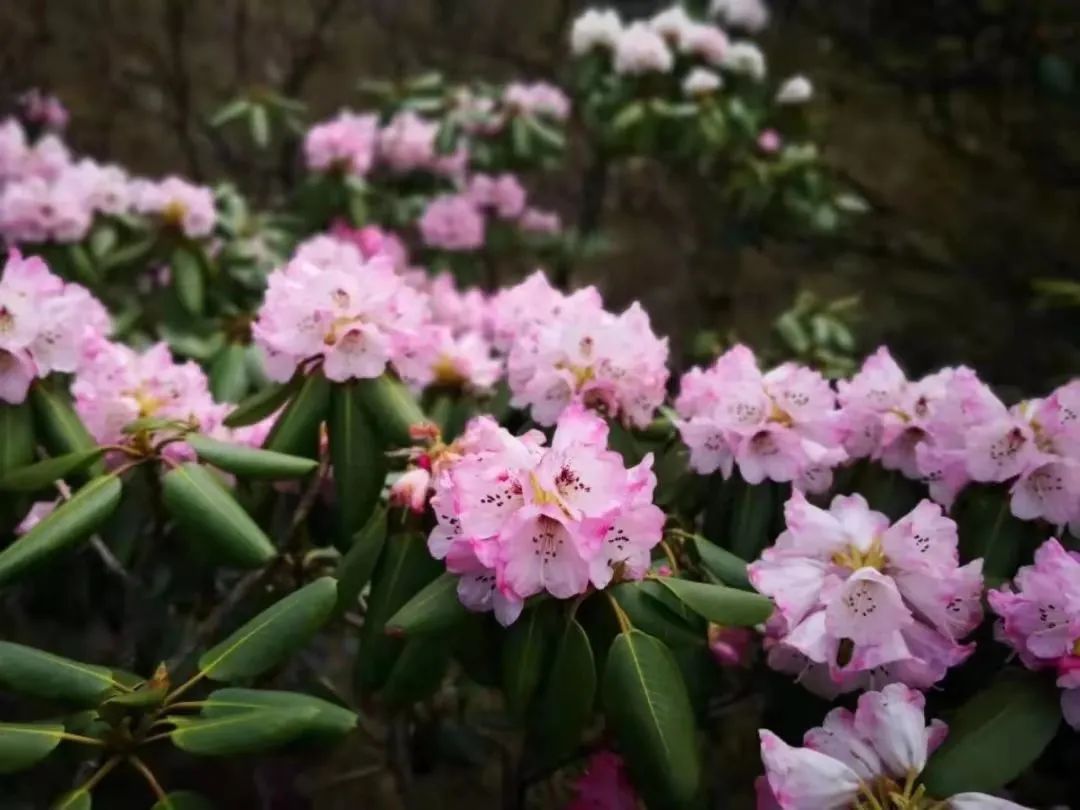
(110, 561)
(148, 775)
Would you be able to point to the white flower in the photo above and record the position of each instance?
(795, 90)
(596, 28)
(671, 23)
(751, 15)
(701, 82)
(745, 58)
(641, 50)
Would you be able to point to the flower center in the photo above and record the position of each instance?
(148, 403)
(780, 416)
(885, 793)
(855, 558)
(446, 372)
(173, 213)
(7, 321)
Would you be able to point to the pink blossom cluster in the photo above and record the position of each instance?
(516, 518)
(19, 158)
(43, 109)
(780, 425)
(566, 349)
(354, 314)
(949, 428)
(871, 757)
(346, 142)
(43, 324)
(1040, 619)
(357, 144)
(176, 203)
(539, 99)
(861, 603)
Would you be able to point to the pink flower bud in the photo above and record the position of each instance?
(410, 491)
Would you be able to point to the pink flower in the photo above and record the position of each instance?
(516, 311)
(371, 241)
(329, 303)
(769, 141)
(516, 518)
(864, 602)
(604, 785)
(44, 109)
(878, 750)
(459, 361)
(595, 29)
(704, 41)
(407, 143)
(537, 98)
(613, 363)
(411, 489)
(782, 425)
(730, 646)
(452, 222)
(640, 50)
(346, 142)
(1040, 618)
(461, 310)
(178, 204)
(539, 221)
(44, 324)
(38, 512)
(502, 194)
(13, 150)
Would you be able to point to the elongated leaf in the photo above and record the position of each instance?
(730, 569)
(58, 426)
(296, 430)
(43, 474)
(752, 518)
(29, 671)
(392, 407)
(719, 603)
(250, 462)
(647, 706)
(230, 111)
(525, 653)
(433, 610)
(70, 523)
(229, 373)
(183, 800)
(354, 570)
(260, 125)
(418, 671)
(262, 403)
(209, 515)
(988, 529)
(995, 736)
(566, 699)
(358, 456)
(78, 799)
(188, 281)
(654, 617)
(273, 635)
(405, 567)
(16, 436)
(23, 745)
(328, 722)
(244, 733)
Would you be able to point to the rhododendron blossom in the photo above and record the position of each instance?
(44, 323)
(781, 425)
(1040, 619)
(869, 758)
(178, 204)
(640, 50)
(537, 98)
(516, 518)
(595, 29)
(860, 603)
(604, 785)
(503, 195)
(583, 353)
(330, 303)
(346, 143)
(452, 222)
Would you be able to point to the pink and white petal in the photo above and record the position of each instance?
(861, 524)
(894, 723)
(867, 608)
(803, 779)
(488, 495)
(924, 539)
(539, 554)
(838, 738)
(811, 531)
(1070, 707)
(793, 583)
(361, 352)
(710, 449)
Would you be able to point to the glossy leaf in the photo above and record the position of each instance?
(525, 652)
(566, 699)
(647, 707)
(26, 744)
(250, 462)
(720, 604)
(418, 671)
(188, 280)
(354, 570)
(16, 436)
(995, 736)
(210, 516)
(392, 407)
(44, 473)
(727, 567)
(243, 733)
(78, 799)
(654, 617)
(37, 673)
(296, 430)
(358, 456)
(58, 426)
(328, 722)
(229, 373)
(273, 635)
(433, 610)
(262, 403)
(70, 523)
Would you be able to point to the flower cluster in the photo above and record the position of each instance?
(1040, 619)
(43, 324)
(539, 99)
(781, 425)
(345, 143)
(871, 757)
(43, 109)
(568, 349)
(860, 603)
(517, 518)
(178, 204)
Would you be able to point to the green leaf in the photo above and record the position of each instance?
(566, 700)
(78, 799)
(211, 517)
(229, 374)
(731, 570)
(296, 431)
(652, 616)
(59, 428)
(16, 436)
(262, 403)
(33, 672)
(250, 462)
(995, 736)
(433, 610)
(752, 518)
(229, 112)
(43, 474)
(354, 570)
(392, 407)
(358, 456)
(23, 745)
(720, 604)
(188, 281)
(405, 566)
(418, 671)
(647, 707)
(273, 635)
(68, 524)
(989, 530)
(243, 733)
(525, 651)
(260, 125)
(329, 721)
